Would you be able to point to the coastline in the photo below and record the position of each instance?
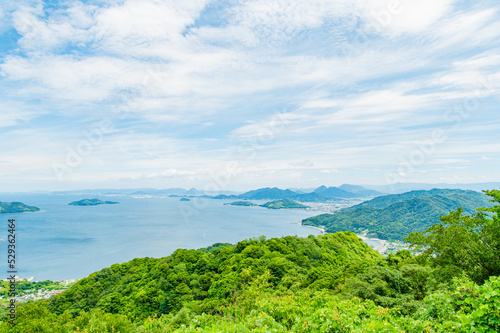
(383, 243)
(36, 211)
(310, 226)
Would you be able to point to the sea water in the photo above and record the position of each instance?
(64, 242)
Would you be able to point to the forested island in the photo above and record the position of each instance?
(284, 204)
(276, 204)
(16, 207)
(92, 202)
(240, 203)
(326, 283)
(393, 217)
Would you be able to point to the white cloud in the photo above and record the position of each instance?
(139, 24)
(169, 173)
(66, 76)
(330, 171)
(269, 128)
(480, 72)
(15, 113)
(404, 16)
(467, 29)
(39, 34)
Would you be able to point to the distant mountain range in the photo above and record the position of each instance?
(320, 194)
(394, 216)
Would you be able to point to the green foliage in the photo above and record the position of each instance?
(393, 217)
(16, 207)
(471, 199)
(23, 287)
(463, 243)
(36, 317)
(216, 246)
(204, 280)
(283, 204)
(476, 308)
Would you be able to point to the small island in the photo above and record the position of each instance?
(92, 202)
(16, 207)
(185, 199)
(283, 204)
(240, 203)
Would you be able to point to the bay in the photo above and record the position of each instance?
(372, 242)
(64, 242)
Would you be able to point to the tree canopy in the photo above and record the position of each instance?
(469, 243)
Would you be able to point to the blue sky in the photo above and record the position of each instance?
(236, 95)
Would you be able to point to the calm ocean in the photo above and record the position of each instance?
(63, 242)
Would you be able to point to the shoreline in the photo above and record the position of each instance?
(310, 226)
(36, 211)
(383, 243)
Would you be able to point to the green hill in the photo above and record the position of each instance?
(91, 202)
(240, 203)
(208, 280)
(333, 192)
(283, 204)
(16, 207)
(393, 217)
(469, 198)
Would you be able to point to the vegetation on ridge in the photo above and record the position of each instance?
(284, 204)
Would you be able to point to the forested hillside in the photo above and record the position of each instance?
(206, 281)
(284, 204)
(327, 283)
(393, 217)
(470, 199)
(16, 207)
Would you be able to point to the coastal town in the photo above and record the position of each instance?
(30, 290)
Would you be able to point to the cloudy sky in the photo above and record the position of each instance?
(247, 93)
